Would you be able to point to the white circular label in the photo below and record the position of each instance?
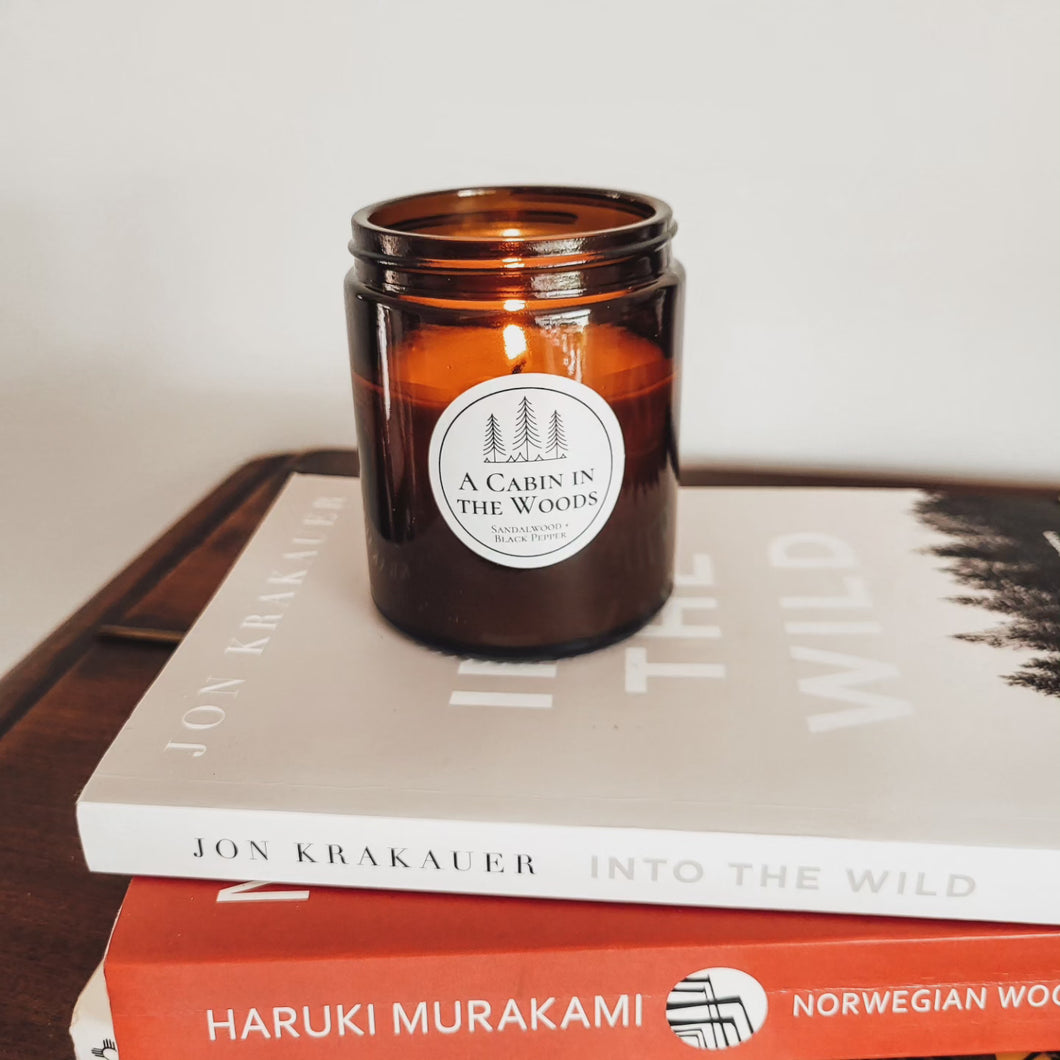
(717, 1008)
(526, 469)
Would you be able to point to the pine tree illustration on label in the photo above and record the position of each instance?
(526, 469)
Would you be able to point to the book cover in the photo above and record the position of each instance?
(91, 1026)
(256, 970)
(850, 704)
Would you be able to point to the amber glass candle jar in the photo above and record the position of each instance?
(514, 354)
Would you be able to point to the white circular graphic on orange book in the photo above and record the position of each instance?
(526, 469)
(716, 1008)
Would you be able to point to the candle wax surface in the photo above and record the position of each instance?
(436, 364)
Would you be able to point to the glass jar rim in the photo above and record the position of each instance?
(542, 225)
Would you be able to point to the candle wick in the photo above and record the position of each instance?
(519, 365)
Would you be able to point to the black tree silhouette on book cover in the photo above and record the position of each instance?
(1006, 550)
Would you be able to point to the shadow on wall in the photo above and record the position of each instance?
(96, 461)
(123, 366)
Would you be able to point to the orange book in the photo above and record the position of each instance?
(215, 970)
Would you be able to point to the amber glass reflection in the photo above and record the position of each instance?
(455, 288)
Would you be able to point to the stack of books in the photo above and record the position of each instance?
(808, 812)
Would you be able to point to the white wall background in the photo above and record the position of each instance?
(868, 193)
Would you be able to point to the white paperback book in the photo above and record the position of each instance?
(851, 703)
(91, 1028)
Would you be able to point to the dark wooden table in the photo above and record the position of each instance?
(63, 704)
(59, 710)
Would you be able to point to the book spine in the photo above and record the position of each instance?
(599, 864)
(774, 1002)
